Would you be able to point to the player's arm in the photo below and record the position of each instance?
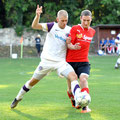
(117, 41)
(74, 47)
(35, 23)
(70, 39)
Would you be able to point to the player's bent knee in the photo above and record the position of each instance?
(84, 77)
(33, 81)
(72, 76)
(83, 81)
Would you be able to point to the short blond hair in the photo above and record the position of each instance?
(62, 13)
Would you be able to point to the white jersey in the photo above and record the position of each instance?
(55, 44)
(118, 40)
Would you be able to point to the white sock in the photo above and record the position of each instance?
(23, 90)
(20, 94)
(75, 88)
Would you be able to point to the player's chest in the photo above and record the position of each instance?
(84, 36)
(60, 35)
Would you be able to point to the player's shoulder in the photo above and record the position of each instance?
(118, 35)
(75, 27)
(92, 29)
(68, 27)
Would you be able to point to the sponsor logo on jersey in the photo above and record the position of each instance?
(40, 68)
(79, 35)
(88, 38)
(67, 34)
(84, 38)
(56, 30)
(60, 38)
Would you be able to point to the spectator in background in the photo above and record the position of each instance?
(107, 43)
(103, 45)
(113, 46)
(38, 46)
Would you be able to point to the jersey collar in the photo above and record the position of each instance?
(84, 28)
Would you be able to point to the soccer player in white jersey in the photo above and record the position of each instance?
(53, 56)
(117, 41)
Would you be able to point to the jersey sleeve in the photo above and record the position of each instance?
(118, 37)
(47, 26)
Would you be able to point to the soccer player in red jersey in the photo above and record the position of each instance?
(80, 38)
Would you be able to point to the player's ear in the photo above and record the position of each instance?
(91, 18)
(57, 19)
(80, 17)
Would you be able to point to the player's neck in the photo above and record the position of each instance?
(84, 27)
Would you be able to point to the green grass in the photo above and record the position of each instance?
(48, 100)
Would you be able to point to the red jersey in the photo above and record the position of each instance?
(83, 36)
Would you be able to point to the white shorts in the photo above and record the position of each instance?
(118, 50)
(46, 66)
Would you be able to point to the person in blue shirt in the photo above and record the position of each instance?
(113, 45)
(108, 45)
(103, 45)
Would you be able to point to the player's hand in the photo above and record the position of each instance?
(68, 40)
(77, 46)
(38, 10)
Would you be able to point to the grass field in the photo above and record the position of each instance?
(48, 100)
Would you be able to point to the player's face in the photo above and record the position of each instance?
(62, 21)
(85, 21)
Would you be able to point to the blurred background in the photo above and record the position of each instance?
(16, 17)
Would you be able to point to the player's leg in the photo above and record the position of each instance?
(75, 88)
(39, 73)
(69, 93)
(28, 85)
(117, 64)
(83, 82)
(84, 87)
(67, 71)
(84, 72)
(38, 50)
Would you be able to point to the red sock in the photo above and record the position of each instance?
(85, 89)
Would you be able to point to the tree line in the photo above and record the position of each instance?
(20, 13)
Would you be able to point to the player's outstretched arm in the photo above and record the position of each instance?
(118, 42)
(35, 23)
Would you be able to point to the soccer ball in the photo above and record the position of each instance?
(100, 52)
(86, 99)
(82, 100)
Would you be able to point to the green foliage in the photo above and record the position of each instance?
(19, 30)
(104, 11)
(0, 26)
(49, 13)
(15, 10)
(22, 12)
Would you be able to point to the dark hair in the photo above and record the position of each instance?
(86, 13)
